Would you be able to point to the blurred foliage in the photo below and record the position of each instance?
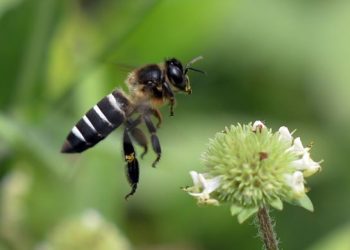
(90, 231)
(285, 62)
(338, 240)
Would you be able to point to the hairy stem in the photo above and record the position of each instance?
(267, 232)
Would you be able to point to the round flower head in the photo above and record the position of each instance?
(249, 166)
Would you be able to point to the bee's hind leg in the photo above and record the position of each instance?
(154, 138)
(132, 165)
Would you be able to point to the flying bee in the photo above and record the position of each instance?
(150, 87)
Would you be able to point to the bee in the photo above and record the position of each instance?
(150, 87)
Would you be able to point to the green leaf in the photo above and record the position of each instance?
(246, 213)
(306, 203)
(235, 210)
(277, 203)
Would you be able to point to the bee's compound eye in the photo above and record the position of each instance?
(175, 74)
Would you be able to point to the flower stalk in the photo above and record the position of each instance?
(267, 233)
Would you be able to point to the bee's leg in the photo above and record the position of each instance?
(133, 123)
(140, 139)
(132, 165)
(154, 138)
(158, 115)
(137, 133)
(170, 94)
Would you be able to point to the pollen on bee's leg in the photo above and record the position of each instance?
(130, 158)
(132, 173)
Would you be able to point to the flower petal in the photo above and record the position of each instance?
(208, 201)
(203, 187)
(212, 184)
(195, 178)
(202, 181)
(258, 126)
(285, 135)
(298, 147)
(201, 195)
(296, 182)
(307, 165)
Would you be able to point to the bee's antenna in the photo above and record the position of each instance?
(123, 67)
(189, 64)
(197, 70)
(194, 60)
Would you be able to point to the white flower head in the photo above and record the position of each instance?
(298, 147)
(258, 126)
(250, 166)
(285, 135)
(203, 187)
(307, 165)
(296, 182)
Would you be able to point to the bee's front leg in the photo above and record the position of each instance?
(170, 95)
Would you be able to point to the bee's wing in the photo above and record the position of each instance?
(108, 114)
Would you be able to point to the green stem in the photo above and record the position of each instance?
(267, 232)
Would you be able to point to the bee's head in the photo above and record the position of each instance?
(177, 74)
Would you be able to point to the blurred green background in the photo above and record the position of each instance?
(284, 62)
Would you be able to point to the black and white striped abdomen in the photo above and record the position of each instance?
(97, 123)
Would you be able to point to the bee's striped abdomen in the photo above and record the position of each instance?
(97, 123)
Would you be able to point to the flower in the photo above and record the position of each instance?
(298, 147)
(307, 165)
(296, 182)
(285, 135)
(250, 166)
(258, 126)
(203, 187)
